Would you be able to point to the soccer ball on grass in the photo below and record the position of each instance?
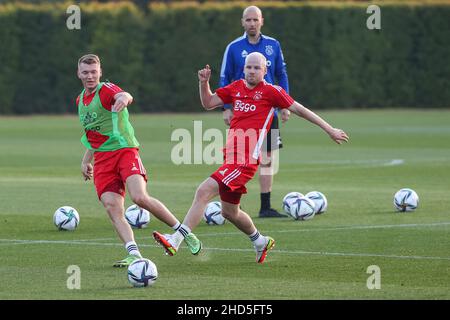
(137, 217)
(320, 201)
(142, 273)
(288, 199)
(406, 200)
(66, 218)
(213, 213)
(298, 206)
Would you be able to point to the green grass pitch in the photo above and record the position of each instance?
(323, 258)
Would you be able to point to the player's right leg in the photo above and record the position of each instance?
(114, 205)
(137, 189)
(207, 190)
(111, 191)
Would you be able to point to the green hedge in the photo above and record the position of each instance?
(333, 60)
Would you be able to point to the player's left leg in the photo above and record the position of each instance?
(243, 222)
(133, 173)
(136, 187)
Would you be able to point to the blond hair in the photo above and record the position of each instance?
(257, 55)
(252, 8)
(89, 59)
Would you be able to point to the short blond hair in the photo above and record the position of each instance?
(89, 59)
(252, 8)
(257, 55)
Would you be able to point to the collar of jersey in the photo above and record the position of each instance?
(261, 36)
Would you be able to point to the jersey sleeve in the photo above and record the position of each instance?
(224, 94)
(280, 70)
(281, 98)
(226, 71)
(107, 93)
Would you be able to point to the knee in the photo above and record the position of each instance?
(110, 205)
(229, 213)
(140, 199)
(203, 194)
(114, 209)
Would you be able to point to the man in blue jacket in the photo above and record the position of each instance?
(233, 69)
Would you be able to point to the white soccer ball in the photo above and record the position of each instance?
(137, 217)
(142, 273)
(288, 199)
(302, 208)
(320, 201)
(406, 200)
(213, 213)
(66, 218)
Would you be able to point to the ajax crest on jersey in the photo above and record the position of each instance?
(66, 218)
(213, 213)
(302, 208)
(288, 199)
(406, 200)
(137, 217)
(142, 273)
(320, 201)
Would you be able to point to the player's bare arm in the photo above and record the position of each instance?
(208, 99)
(337, 135)
(86, 165)
(122, 100)
(227, 115)
(285, 113)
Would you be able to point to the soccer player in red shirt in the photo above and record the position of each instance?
(253, 102)
(110, 142)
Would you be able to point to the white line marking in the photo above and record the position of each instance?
(361, 227)
(395, 162)
(362, 162)
(300, 230)
(356, 227)
(338, 254)
(291, 252)
(88, 242)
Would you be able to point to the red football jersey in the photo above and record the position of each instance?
(253, 111)
(106, 94)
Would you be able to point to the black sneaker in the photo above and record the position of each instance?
(271, 213)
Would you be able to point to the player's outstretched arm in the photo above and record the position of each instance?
(208, 99)
(336, 134)
(86, 165)
(122, 100)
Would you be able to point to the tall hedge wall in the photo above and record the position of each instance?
(333, 60)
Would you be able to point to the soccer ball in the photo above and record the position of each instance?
(302, 208)
(288, 199)
(142, 273)
(320, 201)
(406, 200)
(66, 218)
(137, 217)
(213, 213)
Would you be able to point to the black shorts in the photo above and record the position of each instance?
(273, 143)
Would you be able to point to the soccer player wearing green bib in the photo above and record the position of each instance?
(114, 151)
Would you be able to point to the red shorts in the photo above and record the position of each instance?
(232, 179)
(112, 168)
